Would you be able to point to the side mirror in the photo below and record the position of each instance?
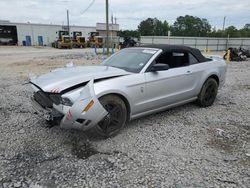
(159, 67)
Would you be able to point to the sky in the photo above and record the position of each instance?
(129, 13)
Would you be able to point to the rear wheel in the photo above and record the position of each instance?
(116, 118)
(208, 93)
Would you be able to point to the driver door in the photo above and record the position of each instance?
(170, 86)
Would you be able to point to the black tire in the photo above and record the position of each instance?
(116, 119)
(208, 93)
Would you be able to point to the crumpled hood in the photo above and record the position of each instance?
(63, 78)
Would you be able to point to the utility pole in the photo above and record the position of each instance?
(112, 42)
(68, 20)
(224, 21)
(107, 25)
(169, 33)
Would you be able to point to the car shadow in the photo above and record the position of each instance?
(168, 112)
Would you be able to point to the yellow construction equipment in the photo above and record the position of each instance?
(78, 41)
(95, 40)
(228, 56)
(63, 40)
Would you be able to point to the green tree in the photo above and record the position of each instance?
(232, 31)
(191, 26)
(247, 26)
(245, 31)
(153, 27)
(146, 27)
(217, 33)
(128, 33)
(187, 26)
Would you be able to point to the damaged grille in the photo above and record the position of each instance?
(56, 98)
(43, 99)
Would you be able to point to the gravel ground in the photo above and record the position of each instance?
(186, 146)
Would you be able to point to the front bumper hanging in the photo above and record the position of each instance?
(86, 111)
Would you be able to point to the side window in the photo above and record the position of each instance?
(162, 58)
(174, 59)
(179, 59)
(192, 59)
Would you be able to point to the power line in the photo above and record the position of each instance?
(132, 18)
(85, 10)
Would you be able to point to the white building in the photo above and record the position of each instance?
(113, 28)
(45, 34)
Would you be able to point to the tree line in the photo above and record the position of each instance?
(189, 26)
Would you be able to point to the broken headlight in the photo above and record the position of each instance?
(66, 101)
(58, 99)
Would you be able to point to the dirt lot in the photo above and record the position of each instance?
(186, 146)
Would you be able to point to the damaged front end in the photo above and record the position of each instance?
(83, 113)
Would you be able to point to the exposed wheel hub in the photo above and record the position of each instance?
(107, 120)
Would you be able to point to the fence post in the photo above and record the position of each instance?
(168, 37)
(113, 49)
(218, 42)
(227, 41)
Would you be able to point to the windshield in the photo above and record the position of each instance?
(66, 39)
(131, 60)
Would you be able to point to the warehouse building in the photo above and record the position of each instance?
(30, 34)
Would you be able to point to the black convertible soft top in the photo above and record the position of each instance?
(182, 48)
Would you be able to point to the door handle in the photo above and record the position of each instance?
(189, 72)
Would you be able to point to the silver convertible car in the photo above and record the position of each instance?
(133, 82)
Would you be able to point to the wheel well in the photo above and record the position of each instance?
(215, 77)
(125, 101)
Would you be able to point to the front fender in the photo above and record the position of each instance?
(86, 111)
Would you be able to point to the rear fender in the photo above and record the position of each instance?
(77, 118)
